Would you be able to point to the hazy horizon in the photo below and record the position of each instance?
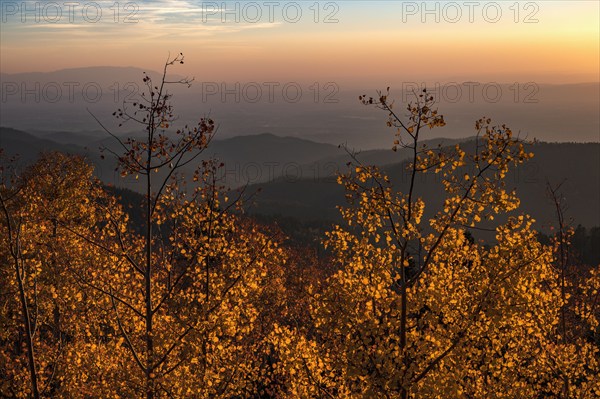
(326, 112)
(297, 68)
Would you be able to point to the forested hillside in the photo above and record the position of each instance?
(174, 290)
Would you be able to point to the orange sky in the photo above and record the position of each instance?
(371, 41)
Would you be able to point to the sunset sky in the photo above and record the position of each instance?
(371, 41)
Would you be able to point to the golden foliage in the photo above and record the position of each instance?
(201, 302)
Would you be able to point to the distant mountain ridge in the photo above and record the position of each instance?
(248, 159)
(297, 176)
(81, 75)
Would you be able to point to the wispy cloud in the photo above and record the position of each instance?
(107, 19)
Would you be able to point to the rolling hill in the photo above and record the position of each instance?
(296, 177)
(575, 164)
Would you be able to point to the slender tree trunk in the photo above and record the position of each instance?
(28, 334)
(563, 254)
(14, 251)
(403, 258)
(404, 391)
(148, 288)
(403, 316)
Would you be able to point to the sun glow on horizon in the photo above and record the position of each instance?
(555, 42)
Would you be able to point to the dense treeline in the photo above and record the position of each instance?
(196, 300)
